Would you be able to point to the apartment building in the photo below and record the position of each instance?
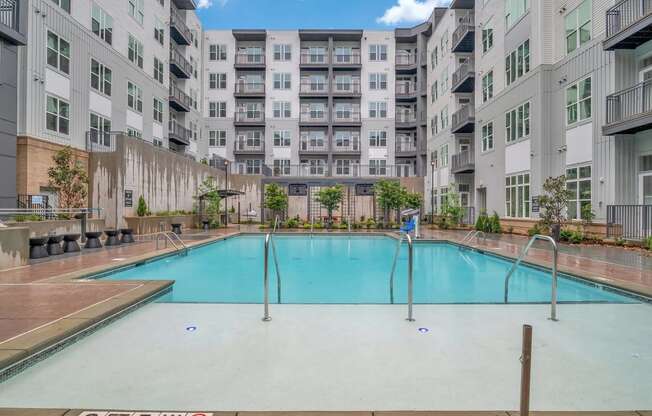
(12, 18)
(92, 67)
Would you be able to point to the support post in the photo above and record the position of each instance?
(526, 363)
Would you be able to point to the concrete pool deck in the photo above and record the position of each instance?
(334, 357)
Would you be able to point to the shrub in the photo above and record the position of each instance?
(494, 223)
(370, 223)
(534, 230)
(565, 235)
(292, 223)
(482, 222)
(620, 242)
(141, 209)
(576, 237)
(648, 243)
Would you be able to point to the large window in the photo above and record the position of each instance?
(158, 70)
(158, 110)
(578, 26)
(282, 52)
(216, 81)
(377, 138)
(487, 39)
(282, 81)
(57, 118)
(282, 109)
(281, 138)
(377, 52)
(377, 167)
(517, 123)
(443, 156)
(578, 183)
(134, 97)
(102, 24)
(100, 77)
(159, 31)
(488, 86)
(58, 53)
(517, 195)
(282, 167)
(64, 4)
(517, 63)
(378, 81)
(135, 51)
(378, 109)
(217, 138)
(137, 10)
(514, 9)
(217, 109)
(100, 130)
(217, 52)
(578, 101)
(488, 136)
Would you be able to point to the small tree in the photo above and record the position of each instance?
(208, 190)
(554, 201)
(451, 209)
(141, 209)
(331, 198)
(69, 178)
(275, 199)
(412, 200)
(390, 195)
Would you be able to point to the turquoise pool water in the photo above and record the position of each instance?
(356, 269)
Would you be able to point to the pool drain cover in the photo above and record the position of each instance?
(191, 328)
(423, 330)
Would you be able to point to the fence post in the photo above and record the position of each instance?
(526, 363)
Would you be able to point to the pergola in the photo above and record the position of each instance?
(224, 195)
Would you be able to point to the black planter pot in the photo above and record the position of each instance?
(93, 239)
(37, 248)
(206, 225)
(54, 245)
(127, 236)
(176, 228)
(112, 238)
(70, 243)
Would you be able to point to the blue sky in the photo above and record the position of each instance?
(313, 14)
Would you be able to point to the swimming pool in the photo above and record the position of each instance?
(353, 270)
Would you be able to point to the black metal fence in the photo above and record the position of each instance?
(33, 201)
(630, 222)
(629, 103)
(625, 13)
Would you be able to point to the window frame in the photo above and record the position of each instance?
(57, 115)
(518, 190)
(578, 102)
(102, 78)
(58, 52)
(576, 199)
(487, 136)
(136, 97)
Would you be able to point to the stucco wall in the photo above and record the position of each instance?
(58, 227)
(14, 247)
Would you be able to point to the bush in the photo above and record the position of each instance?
(565, 235)
(370, 223)
(535, 230)
(292, 223)
(648, 243)
(620, 242)
(29, 217)
(576, 237)
(142, 210)
(482, 222)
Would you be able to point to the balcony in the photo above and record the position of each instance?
(185, 4)
(245, 146)
(464, 78)
(406, 61)
(314, 60)
(406, 90)
(179, 100)
(350, 146)
(178, 29)
(346, 118)
(249, 89)
(314, 118)
(248, 60)
(179, 66)
(462, 4)
(313, 89)
(406, 146)
(244, 168)
(10, 22)
(313, 146)
(464, 35)
(629, 111)
(406, 119)
(347, 89)
(249, 118)
(347, 60)
(178, 134)
(629, 24)
(463, 120)
(463, 162)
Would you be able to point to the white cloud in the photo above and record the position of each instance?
(410, 11)
(205, 4)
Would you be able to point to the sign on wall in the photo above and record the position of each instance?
(364, 189)
(129, 199)
(535, 204)
(298, 189)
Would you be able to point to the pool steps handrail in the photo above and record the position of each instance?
(555, 250)
(471, 234)
(270, 241)
(312, 225)
(410, 295)
(278, 271)
(183, 249)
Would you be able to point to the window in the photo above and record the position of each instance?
(377, 167)
(578, 26)
(434, 57)
(517, 123)
(282, 52)
(158, 70)
(57, 118)
(434, 92)
(136, 10)
(100, 130)
(578, 101)
(434, 125)
(282, 138)
(281, 167)
(253, 166)
(158, 110)
(378, 81)
(443, 156)
(514, 9)
(488, 137)
(443, 116)
(102, 24)
(216, 81)
(377, 109)
(132, 132)
(517, 63)
(282, 81)
(64, 4)
(377, 52)
(100, 77)
(134, 97)
(217, 109)
(343, 54)
(487, 86)
(58, 53)
(135, 52)
(217, 138)
(217, 52)
(487, 39)
(343, 166)
(517, 195)
(377, 138)
(282, 109)
(578, 184)
(159, 31)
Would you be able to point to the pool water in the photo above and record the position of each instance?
(352, 270)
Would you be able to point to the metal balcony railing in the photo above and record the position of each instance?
(346, 116)
(404, 58)
(249, 146)
(346, 145)
(463, 161)
(314, 58)
(250, 88)
(250, 116)
(316, 146)
(179, 133)
(179, 65)
(465, 70)
(344, 88)
(465, 26)
(248, 58)
(179, 100)
(406, 116)
(625, 13)
(314, 116)
(631, 222)
(308, 87)
(406, 88)
(405, 144)
(463, 117)
(352, 58)
(178, 28)
(630, 103)
(10, 14)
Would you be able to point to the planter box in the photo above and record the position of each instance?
(58, 227)
(522, 225)
(151, 224)
(14, 247)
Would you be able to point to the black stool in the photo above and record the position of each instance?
(176, 228)
(70, 243)
(112, 238)
(54, 245)
(127, 236)
(206, 225)
(93, 239)
(37, 248)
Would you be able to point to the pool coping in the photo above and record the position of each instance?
(45, 339)
(78, 412)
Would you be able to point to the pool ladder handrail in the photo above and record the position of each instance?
(166, 234)
(312, 225)
(410, 299)
(471, 234)
(555, 250)
(269, 240)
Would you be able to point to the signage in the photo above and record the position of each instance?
(37, 200)
(535, 204)
(364, 189)
(129, 199)
(298, 189)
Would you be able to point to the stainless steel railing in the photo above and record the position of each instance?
(270, 241)
(410, 295)
(181, 248)
(553, 243)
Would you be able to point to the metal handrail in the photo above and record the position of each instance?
(410, 298)
(278, 271)
(312, 225)
(269, 239)
(555, 248)
(473, 233)
(183, 249)
(391, 276)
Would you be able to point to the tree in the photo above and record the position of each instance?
(390, 195)
(141, 209)
(276, 199)
(554, 201)
(451, 209)
(208, 190)
(331, 198)
(412, 200)
(69, 178)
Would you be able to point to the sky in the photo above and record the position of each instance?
(314, 14)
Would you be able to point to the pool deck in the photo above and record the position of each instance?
(44, 303)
